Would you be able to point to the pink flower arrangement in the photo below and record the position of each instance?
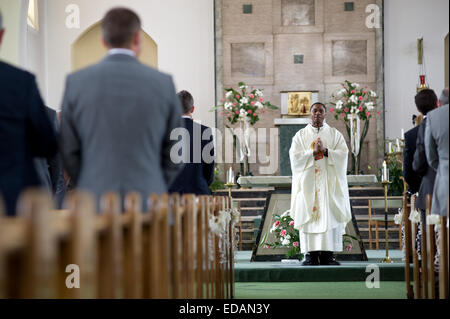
(291, 223)
(296, 244)
(283, 233)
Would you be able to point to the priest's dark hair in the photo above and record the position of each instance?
(318, 103)
(187, 101)
(119, 26)
(426, 101)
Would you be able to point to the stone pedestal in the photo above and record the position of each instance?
(288, 128)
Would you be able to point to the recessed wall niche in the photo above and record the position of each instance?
(297, 12)
(298, 16)
(349, 57)
(247, 59)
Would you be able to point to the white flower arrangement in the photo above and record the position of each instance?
(218, 224)
(351, 98)
(235, 215)
(414, 216)
(398, 218)
(433, 219)
(244, 105)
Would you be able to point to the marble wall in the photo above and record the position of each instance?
(259, 48)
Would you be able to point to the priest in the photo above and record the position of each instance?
(320, 204)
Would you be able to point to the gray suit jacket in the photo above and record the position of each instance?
(436, 147)
(116, 121)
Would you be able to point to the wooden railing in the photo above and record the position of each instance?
(167, 252)
(423, 276)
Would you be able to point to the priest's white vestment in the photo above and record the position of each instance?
(320, 204)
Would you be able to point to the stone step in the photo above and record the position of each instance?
(251, 202)
(366, 191)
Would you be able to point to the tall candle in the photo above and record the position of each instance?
(230, 177)
(385, 171)
(403, 134)
(399, 149)
(390, 148)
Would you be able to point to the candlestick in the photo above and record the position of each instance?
(385, 172)
(386, 259)
(403, 134)
(390, 148)
(230, 181)
(399, 149)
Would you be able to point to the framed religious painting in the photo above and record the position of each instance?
(297, 103)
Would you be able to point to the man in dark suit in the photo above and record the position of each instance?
(117, 117)
(25, 132)
(411, 177)
(426, 101)
(198, 172)
(50, 169)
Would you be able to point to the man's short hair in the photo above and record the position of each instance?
(119, 26)
(426, 101)
(1, 21)
(318, 103)
(187, 101)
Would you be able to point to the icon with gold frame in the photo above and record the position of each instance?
(299, 103)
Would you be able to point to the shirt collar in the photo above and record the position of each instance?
(187, 117)
(121, 51)
(315, 129)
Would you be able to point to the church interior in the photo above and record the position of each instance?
(283, 57)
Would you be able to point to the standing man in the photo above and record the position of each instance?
(426, 101)
(411, 178)
(320, 204)
(25, 132)
(436, 147)
(198, 172)
(117, 117)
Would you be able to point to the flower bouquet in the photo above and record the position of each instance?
(353, 104)
(286, 236)
(244, 105)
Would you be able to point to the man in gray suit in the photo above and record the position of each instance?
(117, 117)
(436, 147)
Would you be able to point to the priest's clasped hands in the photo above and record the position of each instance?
(319, 150)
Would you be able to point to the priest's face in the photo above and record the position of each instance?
(318, 113)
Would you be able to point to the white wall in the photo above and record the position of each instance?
(14, 22)
(405, 22)
(183, 31)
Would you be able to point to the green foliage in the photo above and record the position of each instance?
(217, 184)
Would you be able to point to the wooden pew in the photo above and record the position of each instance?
(163, 253)
(443, 258)
(415, 257)
(77, 247)
(38, 259)
(132, 246)
(407, 246)
(430, 253)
